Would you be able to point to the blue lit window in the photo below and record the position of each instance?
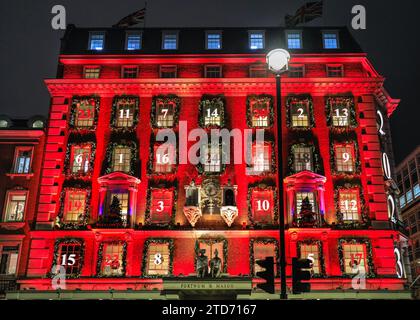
(402, 201)
(416, 190)
(96, 41)
(256, 40)
(214, 40)
(409, 196)
(294, 40)
(133, 41)
(330, 40)
(170, 41)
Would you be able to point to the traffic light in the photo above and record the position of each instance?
(267, 274)
(298, 275)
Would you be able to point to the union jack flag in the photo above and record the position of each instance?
(132, 19)
(308, 12)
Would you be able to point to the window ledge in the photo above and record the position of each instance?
(14, 175)
(12, 225)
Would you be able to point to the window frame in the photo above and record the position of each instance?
(337, 38)
(206, 71)
(92, 67)
(354, 191)
(256, 195)
(168, 66)
(86, 145)
(334, 65)
(17, 250)
(94, 33)
(250, 33)
(169, 33)
(123, 70)
(257, 67)
(19, 149)
(345, 145)
(171, 162)
(311, 154)
(145, 265)
(124, 165)
(296, 65)
(65, 212)
(290, 32)
(131, 33)
(218, 32)
(7, 203)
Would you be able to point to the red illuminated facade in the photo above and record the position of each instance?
(119, 212)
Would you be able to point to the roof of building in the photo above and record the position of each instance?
(192, 40)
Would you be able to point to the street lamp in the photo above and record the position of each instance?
(278, 62)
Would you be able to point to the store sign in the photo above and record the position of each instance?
(202, 285)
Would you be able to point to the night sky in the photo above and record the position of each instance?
(29, 47)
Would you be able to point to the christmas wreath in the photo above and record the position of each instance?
(267, 111)
(131, 102)
(303, 101)
(79, 101)
(340, 101)
(211, 101)
(56, 258)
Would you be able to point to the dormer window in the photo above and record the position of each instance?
(96, 41)
(133, 41)
(170, 40)
(213, 40)
(256, 40)
(330, 40)
(294, 39)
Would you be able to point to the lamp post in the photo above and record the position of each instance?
(278, 62)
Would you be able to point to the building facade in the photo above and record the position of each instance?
(409, 201)
(119, 208)
(21, 149)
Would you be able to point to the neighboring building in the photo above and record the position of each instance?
(21, 150)
(409, 201)
(118, 211)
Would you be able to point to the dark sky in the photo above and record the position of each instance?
(29, 46)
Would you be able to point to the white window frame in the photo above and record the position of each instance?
(262, 32)
(287, 32)
(167, 33)
(15, 161)
(219, 32)
(131, 33)
(324, 32)
(9, 194)
(93, 33)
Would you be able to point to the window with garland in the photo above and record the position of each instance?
(261, 158)
(15, 205)
(165, 113)
(300, 196)
(340, 113)
(299, 114)
(85, 113)
(212, 158)
(302, 158)
(261, 251)
(212, 113)
(164, 158)
(112, 259)
(260, 112)
(311, 252)
(80, 159)
(121, 159)
(344, 155)
(74, 205)
(262, 205)
(69, 256)
(161, 203)
(349, 204)
(354, 255)
(123, 201)
(124, 116)
(158, 259)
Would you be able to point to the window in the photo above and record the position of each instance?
(296, 71)
(212, 113)
(213, 40)
(123, 198)
(112, 259)
(260, 111)
(9, 260)
(80, 155)
(261, 157)
(121, 159)
(170, 40)
(212, 158)
(15, 206)
(96, 41)
(158, 259)
(310, 251)
(4, 123)
(165, 113)
(38, 124)
(256, 40)
(402, 201)
(69, 256)
(211, 247)
(164, 158)
(349, 204)
(416, 190)
(161, 205)
(133, 41)
(91, 72)
(335, 71)
(74, 205)
(330, 40)
(262, 203)
(168, 71)
(302, 158)
(212, 71)
(344, 157)
(258, 71)
(23, 157)
(354, 258)
(263, 250)
(125, 109)
(299, 113)
(340, 112)
(130, 72)
(294, 39)
(300, 196)
(85, 113)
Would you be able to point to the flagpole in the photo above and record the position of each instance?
(145, 14)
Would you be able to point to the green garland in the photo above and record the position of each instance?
(171, 247)
(107, 163)
(315, 157)
(57, 245)
(150, 163)
(347, 101)
(262, 98)
(126, 100)
(68, 164)
(166, 99)
(365, 222)
(211, 241)
(99, 273)
(304, 100)
(212, 100)
(261, 186)
(77, 101)
(83, 220)
(347, 139)
(147, 219)
(264, 241)
(323, 273)
(371, 272)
